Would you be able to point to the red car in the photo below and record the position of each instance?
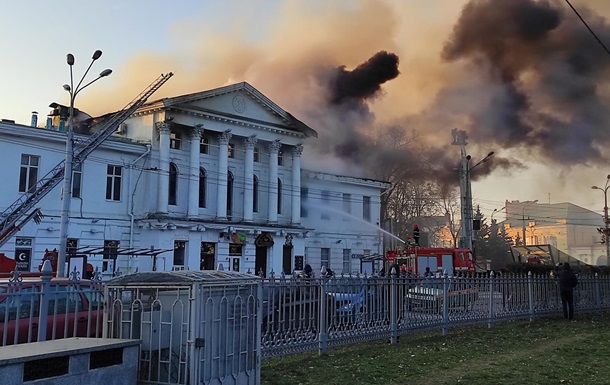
(74, 310)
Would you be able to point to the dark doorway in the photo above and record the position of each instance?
(287, 260)
(261, 260)
(208, 256)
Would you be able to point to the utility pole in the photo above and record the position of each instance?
(606, 230)
(459, 139)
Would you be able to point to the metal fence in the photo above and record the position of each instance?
(301, 315)
(293, 314)
(41, 308)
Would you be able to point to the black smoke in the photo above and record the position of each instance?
(550, 72)
(363, 82)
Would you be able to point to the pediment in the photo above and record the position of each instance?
(240, 102)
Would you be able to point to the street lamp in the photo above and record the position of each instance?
(606, 230)
(468, 230)
(66, 194)
(496, 211)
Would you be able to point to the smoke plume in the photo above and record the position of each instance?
(521, 77)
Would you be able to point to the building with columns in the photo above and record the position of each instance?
(207, 180)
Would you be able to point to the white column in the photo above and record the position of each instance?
(274, 148)
(223, 170)
(250, 143)
(193, 197)
(163, 185)
(297, 151)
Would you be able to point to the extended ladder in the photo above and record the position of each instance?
(13, 213)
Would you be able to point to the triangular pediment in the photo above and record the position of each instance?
(238, 102)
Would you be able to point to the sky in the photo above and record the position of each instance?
(523, 78)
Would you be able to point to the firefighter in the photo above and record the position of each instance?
(416, 234)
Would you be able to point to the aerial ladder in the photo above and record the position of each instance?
(15, 216)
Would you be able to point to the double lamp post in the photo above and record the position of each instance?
(66, 194)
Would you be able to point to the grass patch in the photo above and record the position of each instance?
(546, 351)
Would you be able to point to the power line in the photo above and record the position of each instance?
(589, 28)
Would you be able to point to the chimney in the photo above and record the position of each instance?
(62, 125)
(49, 125)
(34, 118)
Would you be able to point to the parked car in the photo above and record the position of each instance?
(429, 294)
(74, 310)
(351, 299)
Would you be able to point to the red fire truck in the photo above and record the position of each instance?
(439, 259)
(8, 265)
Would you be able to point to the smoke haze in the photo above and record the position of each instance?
(522, 77)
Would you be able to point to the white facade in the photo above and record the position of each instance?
(214, 177)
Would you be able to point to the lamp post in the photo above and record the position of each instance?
(66, 194)
(496, 211)
(606, 230)
(468, 231)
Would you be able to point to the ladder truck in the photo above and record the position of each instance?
(15, 216)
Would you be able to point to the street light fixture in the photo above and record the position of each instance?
(606, 230)
(468, 230)
(66, 194)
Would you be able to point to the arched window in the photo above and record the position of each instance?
(255, 195)
(173, 184)
(230, 180)
(202, 187)
(279, 196)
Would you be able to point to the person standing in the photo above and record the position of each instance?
(416, 234)
(567, 283)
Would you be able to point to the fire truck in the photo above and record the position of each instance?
(439, 259)
(8, 265)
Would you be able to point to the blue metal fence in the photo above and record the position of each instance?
(301, 315)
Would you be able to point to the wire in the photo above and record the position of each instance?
(589, 28)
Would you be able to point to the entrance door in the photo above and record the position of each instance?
(261, 260)
(287, 260)
(207, 256)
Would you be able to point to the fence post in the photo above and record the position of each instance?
(323, 335)
(530, 289)
(490, 320)
(445, 304)
(45, 291)
(393, 308)
(598, 293)
(259, 329)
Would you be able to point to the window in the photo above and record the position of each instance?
(347, 205)
(279, 196)
(174, 141)
(347, 262)
(110, 255)
(77, 180)
(113, 182)
(230, 181)
(179, 251)
(256, 155)
(28, 175)
(325, 257)
(325, 202)
(255, 194)
(280, 158)
(366, 208)
(202, 187)
(71, 246)
(231, 150)
(204, 146)
(304, 194)
(173, 184)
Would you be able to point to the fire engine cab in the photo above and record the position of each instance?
(439, 259)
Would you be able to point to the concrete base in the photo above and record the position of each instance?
(71, 361)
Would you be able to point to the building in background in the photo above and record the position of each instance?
(569, 228)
